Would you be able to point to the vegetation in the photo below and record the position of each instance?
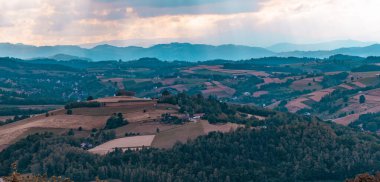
(115, 121)
(290, 148)
(12, 111)
(215, 111)
(368, 122)
(15, 118)
(333, 80)
(278, 147)
(82, 104)
(362, 99)
(167, 118)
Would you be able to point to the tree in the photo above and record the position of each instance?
(89, 98)
(165, 93)
(362, 99)
(69, 112)
(115, 121)
(71, 132)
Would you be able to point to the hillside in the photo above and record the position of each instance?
(144, 118)
(284, 147)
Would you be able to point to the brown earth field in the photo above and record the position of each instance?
(303, 84)
(11, 132)
(143, 117)
(182, 133)
(297, 104)
(132, 142)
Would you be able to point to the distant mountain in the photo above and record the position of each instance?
(130, 42)
(324, 46)
(372, 50)
(65, 57)
(170, 52)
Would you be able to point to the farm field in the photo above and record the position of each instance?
(10, 132)
(143, 116)
(131, 143)
(168, 138)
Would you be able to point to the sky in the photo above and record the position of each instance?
(146, 22)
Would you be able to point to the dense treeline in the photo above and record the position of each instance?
(333, 80)
(366, 68)
(368, 122)
(115, 121)
(12, 111)
(37, 82)
(73, 105)
(214, 110)
(14, 119)
(290, 148)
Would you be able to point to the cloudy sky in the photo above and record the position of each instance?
(248, 22)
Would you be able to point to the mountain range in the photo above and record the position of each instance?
(174, 51)
(322, 46)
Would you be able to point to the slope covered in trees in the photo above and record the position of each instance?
(288, 148)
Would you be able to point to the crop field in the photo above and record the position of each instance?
(218, 89)
(119, 99)
(359, 84)
(227, 127)
(10, 132)
(218, 68)
(346, 86)
(307, 84)
(125, 143)
(297, 104)
(241, 72)
(168, 138)
(318, 95)
(132, 114)
(144, 128)
(260, 93)
(352, 117)
(370, 81)
(180, 87)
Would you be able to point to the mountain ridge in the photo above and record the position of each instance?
(321, 46)
(171, 52)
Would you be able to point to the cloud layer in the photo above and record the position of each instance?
(250, 22)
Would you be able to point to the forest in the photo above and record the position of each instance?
(283, 147)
